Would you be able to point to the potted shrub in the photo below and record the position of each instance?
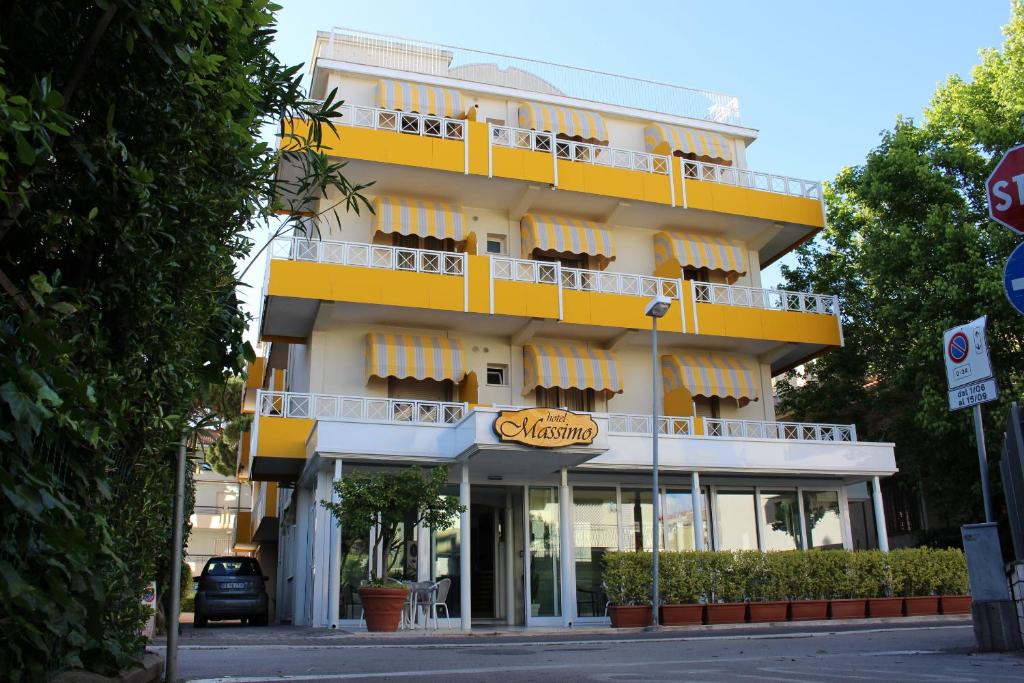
(727, 588)
(875, 574)
(952, 587)
(382, 501)
(815, 574)
(627, 583)
(849, 597)
(915, 577)
(767, 582)
(680, 580)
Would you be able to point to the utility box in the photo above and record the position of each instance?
(996, 627)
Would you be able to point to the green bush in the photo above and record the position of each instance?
(679, 577)
(627, 578)
(951, 570)
(914, 572)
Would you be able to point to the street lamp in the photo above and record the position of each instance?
(656, 308)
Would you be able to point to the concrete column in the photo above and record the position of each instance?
(323, 529)
(300, 562)
(844, 516)
(465, 567)
(566, 551)
(510, 563)
(334, 583)
(698, 512)
(423, 568)
(876, 498)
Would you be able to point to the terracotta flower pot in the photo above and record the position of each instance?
(726, 612)
(848, 608)
(885, 607)
(382, 607)
(808, 610)
(772, 610)
(629, 616)
(921, 605)
(955, 604)
(681, 615)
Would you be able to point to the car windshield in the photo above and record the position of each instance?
(232, 566)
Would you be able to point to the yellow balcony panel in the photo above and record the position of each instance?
(243, 527)
(745, 201)
(753, 323)
(615, 310)
(527, 299)
(254, 373)
(280, 448)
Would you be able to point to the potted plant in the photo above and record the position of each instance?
(811, 576)
(727, 588)
(767, 583)
(848, 596)
(915, 577)
(680, 579)
(952, 581)
(627, 582)
(876, 577)
(382, 501)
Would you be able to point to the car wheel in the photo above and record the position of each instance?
(199, 621)
(262, 620)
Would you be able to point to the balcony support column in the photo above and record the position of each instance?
(566, 551)
(698, 512)
(876, 499)
(300, 562)
(465, 566)
(323, 535)
(334, 583)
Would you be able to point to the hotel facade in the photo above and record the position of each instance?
(524, 215)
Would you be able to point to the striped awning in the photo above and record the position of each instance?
(566, 236)
(573, 123)
(663, 139)
(419, 98)
(406, 355)
(569, 366)
(699, 251)
(423, 217)
(707, 375)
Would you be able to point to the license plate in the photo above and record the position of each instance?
(236, 584)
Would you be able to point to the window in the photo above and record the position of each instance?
(736, 521)
(824, 525)
(496, 244)
(497, 375)
(578, 400)
(705, 406)
(419, 389)
(781, 530)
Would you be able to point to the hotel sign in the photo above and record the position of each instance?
(545, 427)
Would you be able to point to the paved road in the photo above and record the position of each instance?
(927, 651)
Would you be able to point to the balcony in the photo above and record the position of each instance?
(367, 427)
(301, 273)
(264, 511)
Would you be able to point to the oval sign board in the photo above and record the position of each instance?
(545, 427)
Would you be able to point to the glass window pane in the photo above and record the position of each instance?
(446, 559)
(736, 521)
(677, 520)
(355, 569)
(595, 515)
(781, 520)
(544, 589)
(824, 524)
(637, 525)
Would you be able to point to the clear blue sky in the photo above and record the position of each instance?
(819, 80)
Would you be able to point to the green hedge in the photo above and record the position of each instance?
(735, 576)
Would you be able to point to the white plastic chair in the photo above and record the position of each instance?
(439, 593)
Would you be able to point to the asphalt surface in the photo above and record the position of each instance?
(924, 649)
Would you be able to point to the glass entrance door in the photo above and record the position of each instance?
(543, 592)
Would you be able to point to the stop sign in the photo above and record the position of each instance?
(1006, 191)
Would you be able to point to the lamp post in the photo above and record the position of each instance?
(656, 308)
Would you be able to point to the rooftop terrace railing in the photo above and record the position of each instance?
(584, 152)
(490, 68)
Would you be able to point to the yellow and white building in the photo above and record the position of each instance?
(525, 214)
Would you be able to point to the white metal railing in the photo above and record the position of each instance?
(259, 504)
(402, 122)
(787, 431)
(369, 255)
(330, 407)
(771, 299)
(584, 152)
(621, 423)
(545, 272)
(755, 180)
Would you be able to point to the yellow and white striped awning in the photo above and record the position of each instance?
(419, 98)
(664, 139)
(423, 217)
(707, 375)
(699, 251)
(419, 357)
(573, 123)
(569, 366)
(566, 236)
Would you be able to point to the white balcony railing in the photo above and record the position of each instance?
(259, 506)
(403, 122)
(329, 407)
(621, 423)
(786, 431)
(544, 272)
(568, 150)
(369, 255)
(770, 299)
(755, 180)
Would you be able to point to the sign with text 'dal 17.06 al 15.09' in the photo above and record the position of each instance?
(968, 365)
(972, 394)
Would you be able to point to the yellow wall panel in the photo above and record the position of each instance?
(243, 527)
(283, 437)
(525, 299)
(748, 202)
(477, 147)
(755, 323)
(479, 289)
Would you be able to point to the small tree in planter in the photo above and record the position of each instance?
(916, 577)
(728, 582)
(951, 568)
(627, 583)
(846, 599)
(875, 581)
(382, 501)
(766, 586)
(681, 588)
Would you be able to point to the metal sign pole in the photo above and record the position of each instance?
(979, 438)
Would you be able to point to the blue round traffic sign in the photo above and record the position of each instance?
(958, 347)
(1013, 278)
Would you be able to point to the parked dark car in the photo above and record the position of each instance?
(232, 588)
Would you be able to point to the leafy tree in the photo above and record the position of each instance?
(911, 251)
(225, 412)
(131, 170)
